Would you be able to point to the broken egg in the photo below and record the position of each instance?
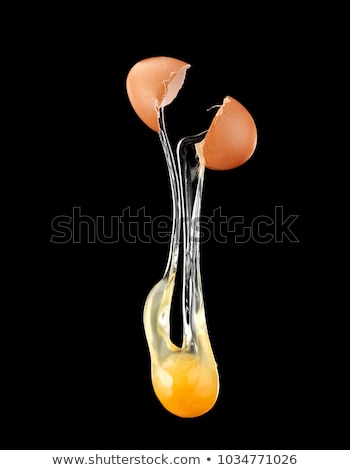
(153, 83)
(231, 138)
(185, 376)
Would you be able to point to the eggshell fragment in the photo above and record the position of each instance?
(153, 83)
(231, 138)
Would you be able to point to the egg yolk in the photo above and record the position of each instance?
(185, 382)
(186, 385)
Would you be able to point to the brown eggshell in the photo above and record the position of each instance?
(231, 138)
(152, 83)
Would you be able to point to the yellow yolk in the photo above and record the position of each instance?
(185, 385)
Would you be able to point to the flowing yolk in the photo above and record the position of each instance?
(185, 385)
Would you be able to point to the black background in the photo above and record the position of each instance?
(82, 377)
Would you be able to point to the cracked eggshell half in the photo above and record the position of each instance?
(153, 83)
(231, 138)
